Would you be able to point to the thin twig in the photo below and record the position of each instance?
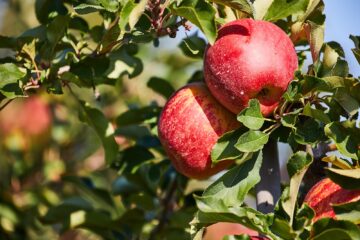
(167, 203)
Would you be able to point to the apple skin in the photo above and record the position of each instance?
(325, 193)
(250, 59)
(189, 125)
(219, 230)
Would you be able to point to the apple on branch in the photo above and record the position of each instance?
(324, 194)
(250, 59)
(189, 125)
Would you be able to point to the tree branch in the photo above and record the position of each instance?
(168, 207)
(268, 189)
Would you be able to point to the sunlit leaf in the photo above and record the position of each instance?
(200, 13)
(280, 9)
(252, 141)
(347, 178)
(251, 116)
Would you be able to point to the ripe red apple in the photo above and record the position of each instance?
(219, 230)
(250, 59)
(189, 125)
(325, 193)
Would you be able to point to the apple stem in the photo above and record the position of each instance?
(268, 189)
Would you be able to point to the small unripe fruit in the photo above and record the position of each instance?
(325, 193)
(250, 59)
(189, 126)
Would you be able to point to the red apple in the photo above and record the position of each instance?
(219, 230)
(190, 124)
(250, 59)
(325, 193)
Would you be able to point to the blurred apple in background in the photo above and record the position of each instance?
(219, 230)
(25, 122)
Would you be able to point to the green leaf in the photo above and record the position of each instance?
(260, 8)
(303, 221)
(290, 119)
(315, 36)
(125, 14)
(161, 86)
(44, 8)
(91, 71)
(346, 137)
(85, 8)
(61, 212)
(328, 228)
(79, 23)
(109, 5)
(109, 40)
(316, 113)
(224, 149)
(282, 228)
(92, 220)
(330, 58)
(54, 32)
(244, 215)
(200, 13)
(10, 76)
(240, 5)
(103, 129)
(297, 166)
(325, 84)
(298, 163)
(252, 141)
(136, 13)
(338, 162)
(293, 92)
(309, 132)
(356, 50)
(341, 69)
(99, 199)
(356, 40)
(346, 178)
(280, 9)
(7, 42)
(124, 62)
(348, 103)
(285, 214)
(10, 73)
(132, 158)
(193, 46)
(95, 5)
(29, 50)
(133, 131)
(251, 116)
(348, 211)
(233, 186)
(137, 115)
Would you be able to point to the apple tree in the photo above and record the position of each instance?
(106, 168)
